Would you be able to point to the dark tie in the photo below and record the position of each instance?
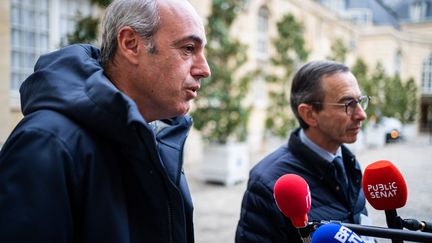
(341, 175)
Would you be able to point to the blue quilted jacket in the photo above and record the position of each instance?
(260, 219)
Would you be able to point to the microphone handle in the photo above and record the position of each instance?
(305, 234)
(394, 222)
(306, 239)
(414, 224)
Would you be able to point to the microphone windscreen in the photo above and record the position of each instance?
(384, 186)
(335, 233)
(293, 198)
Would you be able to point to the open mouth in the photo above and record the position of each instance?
(193, 91)
(194, 88)
(355, 129)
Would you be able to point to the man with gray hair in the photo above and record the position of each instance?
(98, 154)
(329, 106)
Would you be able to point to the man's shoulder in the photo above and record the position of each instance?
(49, 123)
(270, 168)
(52, 134)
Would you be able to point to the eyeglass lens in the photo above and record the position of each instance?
(352, 105)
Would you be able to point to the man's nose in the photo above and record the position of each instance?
(359, 113)
(200, 68)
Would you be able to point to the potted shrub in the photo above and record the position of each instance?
(289, 52)
(220, 113)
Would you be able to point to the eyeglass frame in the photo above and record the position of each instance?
(352, 103)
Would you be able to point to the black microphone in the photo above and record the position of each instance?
(414, 224)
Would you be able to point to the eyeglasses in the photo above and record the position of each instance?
(351, 104)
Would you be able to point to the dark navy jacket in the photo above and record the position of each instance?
(84, 166)
(260, 219)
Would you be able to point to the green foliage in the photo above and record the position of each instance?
(400, 99)
(360, 71)
(373, 86)
(290, 50)
(390, 95)
(410, 113)
(86, 28)
(101, 3)
(85, 31)
(339, 51)
(220, 112)
(394, 98)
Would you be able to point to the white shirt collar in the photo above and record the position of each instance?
(317, 149)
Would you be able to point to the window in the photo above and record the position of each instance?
(30, 37)
(259, 92)
(360, 16)
(335, 5)
(38, 27)
(427, 76)
(262, 38)
(418, 10)
(398, 62)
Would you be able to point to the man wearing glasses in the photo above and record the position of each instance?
(330, 108)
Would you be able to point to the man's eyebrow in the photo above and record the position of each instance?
(346, 98)
(193, 38)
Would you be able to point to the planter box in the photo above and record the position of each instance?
(225, 163)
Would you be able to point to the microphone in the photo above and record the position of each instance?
(414, 224)
(385, 189)
(293, 198)
(335, 233)
(375, 231)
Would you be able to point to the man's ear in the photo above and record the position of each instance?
(307, 113)
(129, 44)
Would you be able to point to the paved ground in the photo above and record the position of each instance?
(217, 207)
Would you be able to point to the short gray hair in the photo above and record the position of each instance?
(140, 15)
(306, 85)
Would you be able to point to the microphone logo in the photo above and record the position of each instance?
(335, 233)
(346, 235)
(380, 190)
(384, 186)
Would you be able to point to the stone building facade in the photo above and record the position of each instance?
(403, 45)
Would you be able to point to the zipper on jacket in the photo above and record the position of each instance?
(177, 182)
(156, 160)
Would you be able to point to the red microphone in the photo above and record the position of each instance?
(385, 189)
(293, 199)
(384, 186)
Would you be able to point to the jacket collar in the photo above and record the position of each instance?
(325, 169)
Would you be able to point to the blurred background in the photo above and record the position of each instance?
(254, 48)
